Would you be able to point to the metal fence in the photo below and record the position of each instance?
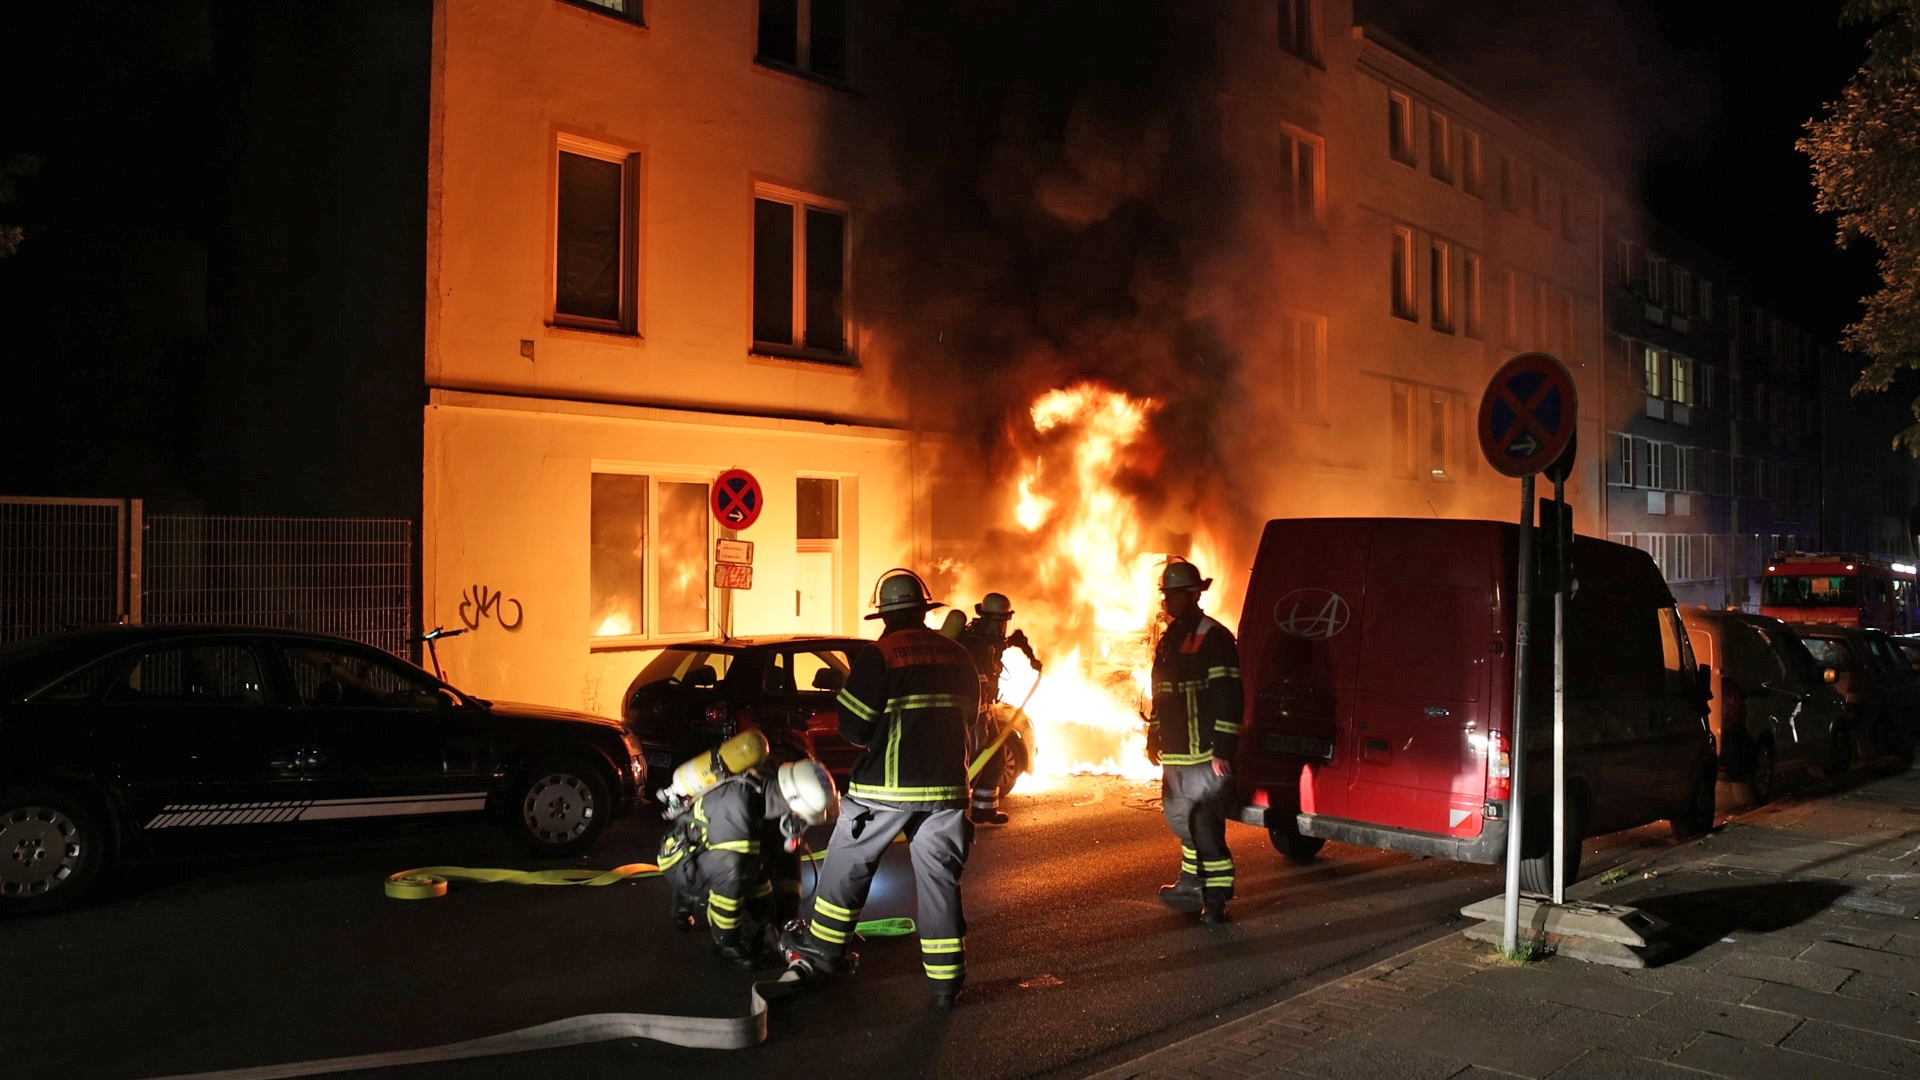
(347, 576)
(67, 563)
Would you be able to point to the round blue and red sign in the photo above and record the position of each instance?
(737, 499)
(1527, 414)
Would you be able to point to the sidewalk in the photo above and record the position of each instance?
(1796, 953)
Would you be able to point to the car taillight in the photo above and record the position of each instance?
(718, 715)
(1499, 768)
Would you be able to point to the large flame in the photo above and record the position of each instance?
(1098, 602)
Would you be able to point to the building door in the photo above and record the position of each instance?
(813, 592)
(816, 586)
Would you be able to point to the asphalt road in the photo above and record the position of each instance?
(1073, 963)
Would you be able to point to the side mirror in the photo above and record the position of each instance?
(1703, 682)
(703, 675)
(1829, 676)
(828, 679)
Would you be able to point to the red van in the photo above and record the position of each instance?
(1378, 659)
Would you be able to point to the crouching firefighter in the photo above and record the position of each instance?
(1193, 733)
(986, 640)
(908, 701)
(733, 851)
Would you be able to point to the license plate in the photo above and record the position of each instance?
(1295, 744)
(659, 761)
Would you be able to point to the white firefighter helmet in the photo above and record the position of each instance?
(808, 790)
(994, 606)
(901, 589)
(1181, 574)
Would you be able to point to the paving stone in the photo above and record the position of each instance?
(1862, 1048)
(1872, 961)
(1791, 972)
(1834, 1009)
(1743, 1060)
(1898, 994)
(1473, 1006)
(1865, 939)
(1585, 993)
(1739, 1021)
(1601, 1064)
(1495, 1046)
(1359, 1056)
(1780, 945)
(1648, 1038)
(1709, 985)
(1904, 944)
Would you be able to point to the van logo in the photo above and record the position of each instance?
(1314, 614)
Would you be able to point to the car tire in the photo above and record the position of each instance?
(1696, 818)
(52, 850)
(1839, 753)
(1289, 841)
(1760, 777)
(1536, 871)
(1018, 763)
(559, 807)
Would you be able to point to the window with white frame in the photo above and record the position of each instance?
(1401, 446)
(1654, 285)
(1620, 462)
(1301, 366)
(1400, 127)
(594, 236)
(816, 594)
(1706, 300)
(1440, 285)
(1404, 304)
(1653, 371)
(1682, 291)
(799, 276)
(1300, 29)
(1471, 289)
(807, 35)
(1650, 455)
(1440, 146)
(650, 576)
(1302, 178)
(1472, 179)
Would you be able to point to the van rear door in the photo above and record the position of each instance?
(1421, 703)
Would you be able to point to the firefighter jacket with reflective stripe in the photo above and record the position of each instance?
(1197, 698)
(909, 700)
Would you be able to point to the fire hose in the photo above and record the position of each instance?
(1019, 722)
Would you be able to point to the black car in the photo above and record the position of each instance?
(126, 742)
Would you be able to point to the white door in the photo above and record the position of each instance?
(813, 594)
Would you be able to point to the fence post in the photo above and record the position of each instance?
(136, 543)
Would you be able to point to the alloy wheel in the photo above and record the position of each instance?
(40, 848)
(559, 806)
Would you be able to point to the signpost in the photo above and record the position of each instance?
(737, 499)
(1558, 472)
(1526, 423)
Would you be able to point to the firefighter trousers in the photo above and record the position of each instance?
(1195, 799)
(986, 785)
(732, 888)
(938, 841)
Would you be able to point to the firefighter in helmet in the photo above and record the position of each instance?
(734, 853)
(908, 700)
(1192, 735)
(986, 640)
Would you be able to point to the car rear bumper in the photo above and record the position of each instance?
(1489, 847)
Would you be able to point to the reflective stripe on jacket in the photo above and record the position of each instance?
(1197, 697)
(909, 701)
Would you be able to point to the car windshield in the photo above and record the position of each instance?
(1828, 652)
(674, 665)
(1825, 590)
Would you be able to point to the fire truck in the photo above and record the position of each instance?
(1843, 589)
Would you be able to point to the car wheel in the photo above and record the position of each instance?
(1839, 752)
(1536, 871)
(1761, 779)
(1289, 841)
(52, 849)
(1018, 762)
(559, 808)
(1697, 818)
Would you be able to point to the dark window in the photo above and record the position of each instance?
(817, 295)
(327, 678)
(820, 48)
(816, 509)
(590, 240)
(780, 31)
(1400, 127)
(193, 675)
(1298, 34)
(827, 39)
(85, 684)
(772, 272)
(826, 281)
(629, 10)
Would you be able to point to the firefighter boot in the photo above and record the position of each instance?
(736, 957)
(684, 915)
(980, 816)
(947, 994)
(1214, 913)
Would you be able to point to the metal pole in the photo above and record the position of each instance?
(1523, 611)
(1560, 545)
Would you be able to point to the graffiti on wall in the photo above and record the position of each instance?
(477, 602)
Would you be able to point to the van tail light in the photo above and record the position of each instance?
(1499, 768)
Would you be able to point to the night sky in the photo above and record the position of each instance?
(1699, 103)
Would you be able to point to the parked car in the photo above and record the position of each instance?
(1881, 689)
(1909, 646)
(693, 697)
(1378, 656)
(1774, 708)
(128, 742)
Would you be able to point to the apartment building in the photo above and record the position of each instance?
(1421, 237)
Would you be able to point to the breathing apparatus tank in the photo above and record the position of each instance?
(703, 772)
(955, 622)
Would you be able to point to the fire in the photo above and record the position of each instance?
(1095, 580)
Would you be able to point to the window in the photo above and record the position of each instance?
(1439, 434)
(1624, 261)
(330, 679)
(1440, 280)
(1706, 301)
(1402, 445)
(193, 675)
(810, 35)
(1542, 315)
(1403, 302)
(650, 574)
(1654, 371)
(1470, 283)
(816, 594)
(1680, 378)
(1620, 466)
(1564, 335)
(1655, 285)
(1299, 29)
(1706, 386)
(805, 671)
(1302, 191)
(629, 10)
(1566, 215)
(1682, 291)
(1509, 188)
(1535, 199)
(1440, 146)
(1513, 323)
(593, 259)
(1302, 363)
(1651, 467)
(1400, 127)
(1470, 176)
(799, 277)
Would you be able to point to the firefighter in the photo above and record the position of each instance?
(986, 639)
(735, 854)
(908, 701)
(1192, 735)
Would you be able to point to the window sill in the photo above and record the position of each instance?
(594, 333)
(767, 354)
(778, 67)
(1442, 328)
(1398, 160)
(1409, 316)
